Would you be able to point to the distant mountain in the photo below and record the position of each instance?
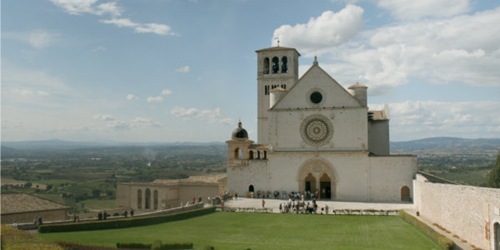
(449, 145)
(47, 145)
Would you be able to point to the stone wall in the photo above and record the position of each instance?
(29, 217)
(467, 211)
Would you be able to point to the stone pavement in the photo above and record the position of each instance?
(274, 204)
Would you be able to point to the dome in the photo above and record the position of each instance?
(239, 133)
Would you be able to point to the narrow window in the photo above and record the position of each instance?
(284, 64)
(139, 199)
(266, 65)
(276, 66)
(147, 199)
(155, 200)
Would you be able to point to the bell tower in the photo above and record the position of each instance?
(277, 67)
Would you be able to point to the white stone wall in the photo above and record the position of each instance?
(389, 174)
(467, 211)
(350, 128)
(354, 176)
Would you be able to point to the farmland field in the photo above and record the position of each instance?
(266, 231)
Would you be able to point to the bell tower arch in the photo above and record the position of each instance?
(276, 67)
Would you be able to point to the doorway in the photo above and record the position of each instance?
(496, 231)
(405, 194)
(325, 186)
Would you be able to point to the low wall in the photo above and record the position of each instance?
(468, 212)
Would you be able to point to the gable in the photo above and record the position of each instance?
(331, 93)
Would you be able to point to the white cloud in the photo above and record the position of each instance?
(155, 99)
(132, 97)
(146, 122)
(21, 85)
(462, 49)
(118, 125)
(99, 49)
(78, 7)
(421, 119)
(40, 39)
(213, 116)
(184, 69)
(411, 10)
(106, 118)
(166, 92)
(324, 32)
(111, 9)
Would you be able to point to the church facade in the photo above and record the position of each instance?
(316, 136)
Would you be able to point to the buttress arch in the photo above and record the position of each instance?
(318, 175)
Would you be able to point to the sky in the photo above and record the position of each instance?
(185, 70)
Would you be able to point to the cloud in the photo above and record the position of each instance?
(131, 97)
(99, 49)
(184, 69)
(106, 118)
(462, 49)
(155, 99)
(166, 92)
(324, 32)
(111, 9)
(420, 119)
(212, 116)
(118, 125)
(22, 85)
(40, 39)
(146, 122)
(78, 7)
(412, 10)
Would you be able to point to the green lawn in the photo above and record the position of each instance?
(267, 231)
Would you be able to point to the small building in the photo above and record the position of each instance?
(163, 194)
(24, 208)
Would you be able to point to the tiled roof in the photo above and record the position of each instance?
(19, 203)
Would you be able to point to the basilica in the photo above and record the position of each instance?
(315, 136)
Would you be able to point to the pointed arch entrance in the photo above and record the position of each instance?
(318, 177)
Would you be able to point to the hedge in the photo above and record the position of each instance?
(440, 239)
(156, 245)
(123, 223)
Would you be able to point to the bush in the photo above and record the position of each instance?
(156, 245)
(124, 222)
(441, 240)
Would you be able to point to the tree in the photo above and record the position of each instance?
(494, 176)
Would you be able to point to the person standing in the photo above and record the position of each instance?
(263, 203)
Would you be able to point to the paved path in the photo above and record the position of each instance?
(274, 204)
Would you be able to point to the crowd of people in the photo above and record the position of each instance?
(302, 207)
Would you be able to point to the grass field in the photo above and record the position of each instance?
(267, 231)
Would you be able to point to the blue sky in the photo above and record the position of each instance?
(185, 70)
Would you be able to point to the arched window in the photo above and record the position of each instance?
(139, 199)
(284, 64)
(147, 199)
(237, 154)
(250, 154)
(155, 200)
(276, 66)
(266, 65)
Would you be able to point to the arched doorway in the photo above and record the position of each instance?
(496, 231)
(325, 187)
(405, 193)
(250, 188)
(310, 183)
(318, 176)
